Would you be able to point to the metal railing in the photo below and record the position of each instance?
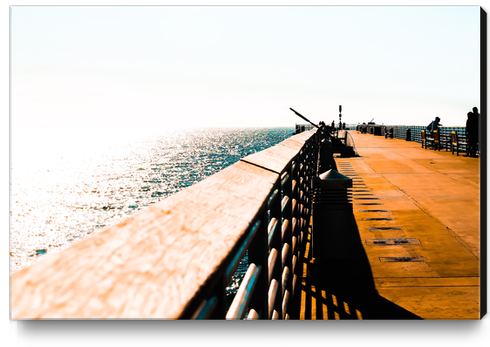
(273, 242)
(400, 131)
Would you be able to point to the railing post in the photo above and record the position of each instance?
(276, 242)
(286, 252)
(258, 255)
(305, 174)
(297, 229)
(333, 219)
(301, 194)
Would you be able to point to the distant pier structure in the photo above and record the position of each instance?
(299, 128)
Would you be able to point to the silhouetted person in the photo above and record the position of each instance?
(472, 132)
(323, 130)
(389, 133)
(477, 125)
(434, 125)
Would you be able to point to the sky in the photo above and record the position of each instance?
(243, 65)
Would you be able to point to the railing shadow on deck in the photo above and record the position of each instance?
(344, 289)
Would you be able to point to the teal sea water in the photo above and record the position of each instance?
(68, 183)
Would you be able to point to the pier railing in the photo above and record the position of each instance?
(400, 131)
(175, 259)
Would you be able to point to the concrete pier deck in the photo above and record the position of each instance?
(417, 213)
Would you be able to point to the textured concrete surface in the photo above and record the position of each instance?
(434, 197)
(429, 202)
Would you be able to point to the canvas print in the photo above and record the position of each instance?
(247, 162)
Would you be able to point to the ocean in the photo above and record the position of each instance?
(68, 183)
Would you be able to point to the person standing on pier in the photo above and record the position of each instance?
(472, 132)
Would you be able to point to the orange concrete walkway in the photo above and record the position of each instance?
(417, 213)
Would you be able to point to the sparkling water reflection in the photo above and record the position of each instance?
(68, 183)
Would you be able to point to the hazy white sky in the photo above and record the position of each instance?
(243, 65)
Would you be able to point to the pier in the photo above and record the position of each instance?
(418, 215)
(417, 227)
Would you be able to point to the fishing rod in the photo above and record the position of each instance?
(304, 118)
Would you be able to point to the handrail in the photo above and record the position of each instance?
(280, 215)
(242, 299)
(175, 259)
(399, 131)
